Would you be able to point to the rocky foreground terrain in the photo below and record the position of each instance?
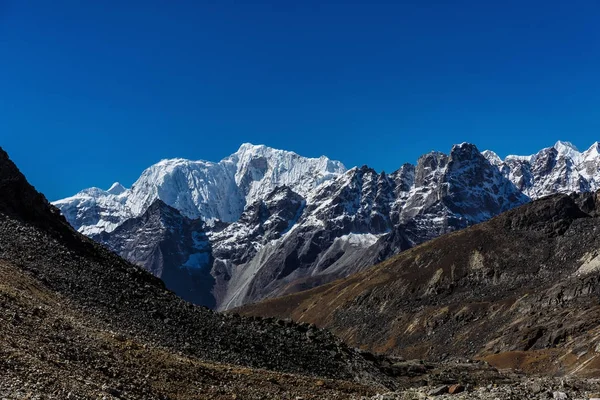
(52, 348)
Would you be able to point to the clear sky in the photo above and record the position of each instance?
(93, 92)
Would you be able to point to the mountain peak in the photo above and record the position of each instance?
(250, 150)
(464, 147)
(568, 150)
(116, 189)
(492, 157)
(20, 199)
(565, 146)
(250, 147)
(593, 151)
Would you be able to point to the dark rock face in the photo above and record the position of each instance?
(551, 216)
(463, 190)
(171, 247)
(20, 200)
(260, 223)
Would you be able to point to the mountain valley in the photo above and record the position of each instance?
(77, 321)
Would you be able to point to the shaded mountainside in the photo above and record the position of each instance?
(69, 306)
(521, 290)
(171, 247)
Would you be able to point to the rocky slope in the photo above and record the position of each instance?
(277, 223)
(520, 291)
(75, 318)
(51, 348)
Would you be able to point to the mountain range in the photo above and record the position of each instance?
(263, 222)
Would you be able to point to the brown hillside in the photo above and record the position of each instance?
(520, 290)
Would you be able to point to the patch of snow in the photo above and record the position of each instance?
(360, 239)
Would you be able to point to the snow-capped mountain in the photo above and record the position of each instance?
(558, 169)
(199, 189)
(93, 211)
(273, 222)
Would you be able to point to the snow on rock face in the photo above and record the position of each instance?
(558, 169)
(453, 191)
(568, 150)
(196, 188)
(261, 169)
(200, 189)
(94, 210)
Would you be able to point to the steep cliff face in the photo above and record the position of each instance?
(276, 222)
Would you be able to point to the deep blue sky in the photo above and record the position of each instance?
(96, 91)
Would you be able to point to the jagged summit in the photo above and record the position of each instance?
(562, 146)
(116, 189)
(264, 149)
(568, 149)
(561, 168)
(255, 148)
(492, 157)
